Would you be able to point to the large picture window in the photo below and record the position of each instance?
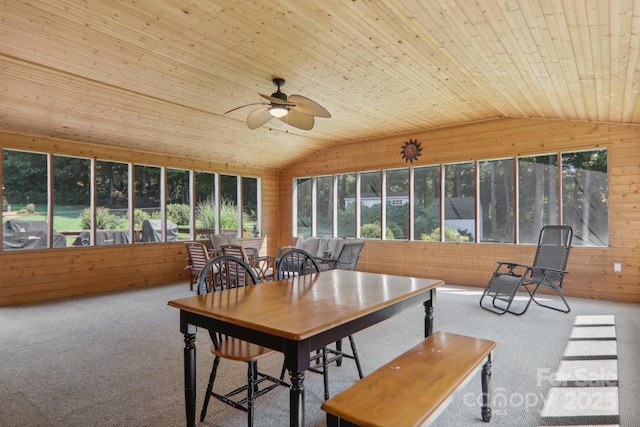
(454, 202)
(131, 202)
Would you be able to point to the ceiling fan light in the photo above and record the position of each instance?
(278, 111)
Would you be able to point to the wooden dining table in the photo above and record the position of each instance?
(298, 315)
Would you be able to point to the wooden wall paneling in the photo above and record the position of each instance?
(28, 276)
(591, 269)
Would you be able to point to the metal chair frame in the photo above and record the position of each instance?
(547, 271)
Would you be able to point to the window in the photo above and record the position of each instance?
(459, 202)
(25, 204)
(496, 201)
(426, 203)
(324, 206)
(128, 199)
(178, 207)
(462, 192)
(397, 203)
(303, 206)
(147, 203)
(585, 203)
(229, 215)
(250, 205)
(370, 205)
(112, 208)
(206, 213)
(538, 195)
(346, 206)
(72, 198)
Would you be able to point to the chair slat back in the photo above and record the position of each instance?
(237, 251)
(224, 272)
(198, 256)
(296, 262)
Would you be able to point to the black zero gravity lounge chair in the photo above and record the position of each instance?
(547, 271)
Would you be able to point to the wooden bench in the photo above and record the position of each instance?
(416, 386)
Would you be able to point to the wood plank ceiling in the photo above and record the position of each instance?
(159, 75)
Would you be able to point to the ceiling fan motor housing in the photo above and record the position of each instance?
(279, 83)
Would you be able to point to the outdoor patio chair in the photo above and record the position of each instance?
(347, 259)
(547, 271)
(226, 272)
(298, 262)
(262, 266)
(198, 256)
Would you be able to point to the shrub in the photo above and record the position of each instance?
(105, 220)
(228, 215)
(206, 214)
(138, 218)
(178, 213)
(31, 208)
(450, 235)
(372, 231)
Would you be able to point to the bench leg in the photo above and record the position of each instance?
(486, 390)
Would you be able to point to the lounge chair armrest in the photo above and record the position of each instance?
(512, 264)
(512, 268)
(549, 270)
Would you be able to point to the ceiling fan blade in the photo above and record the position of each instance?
(258, 117)
(273, 99)
(298, 120)
(237, 108)
(306, 106)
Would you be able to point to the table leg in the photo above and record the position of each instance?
(296, 399)
(190, 375)
(486, 390)
(428, 314)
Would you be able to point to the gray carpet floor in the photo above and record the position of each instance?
(116, 360)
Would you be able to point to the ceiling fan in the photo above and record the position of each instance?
(295, 110)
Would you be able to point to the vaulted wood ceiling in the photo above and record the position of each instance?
(159, 75)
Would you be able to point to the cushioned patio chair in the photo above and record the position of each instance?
(226, 272)
(298, 262)
(547, 271)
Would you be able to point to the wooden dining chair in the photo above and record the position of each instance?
(227, 272)
(298, 262)
(197, 257)
(262, 266)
